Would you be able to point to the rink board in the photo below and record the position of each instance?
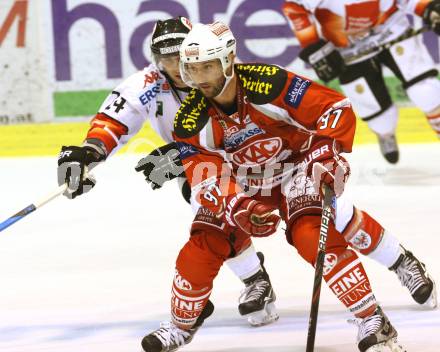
(47, 138)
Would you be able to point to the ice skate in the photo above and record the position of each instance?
(170, 338)
(376, 334)
(388, 147)
(257, 299)
(413, 275)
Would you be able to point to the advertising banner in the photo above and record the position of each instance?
(60, 58)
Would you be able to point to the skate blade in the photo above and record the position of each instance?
(391, 345)
(432, 300)
(266, 316)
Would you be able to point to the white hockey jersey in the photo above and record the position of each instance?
(145, 95)
(355, 26)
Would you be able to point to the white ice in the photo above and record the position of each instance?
(94, 274)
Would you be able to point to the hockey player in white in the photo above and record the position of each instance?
(155, 95)
(338, 37)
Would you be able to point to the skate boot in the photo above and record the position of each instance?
(388, 148)
(413, 275)
(257, 299)
(170, 338)
(376, 334)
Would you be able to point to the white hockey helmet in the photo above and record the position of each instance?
(207, 42)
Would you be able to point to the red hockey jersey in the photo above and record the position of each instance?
(280, 116)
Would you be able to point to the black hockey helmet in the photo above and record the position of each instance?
(168, 35)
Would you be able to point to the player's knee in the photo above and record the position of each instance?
(425, 94)
(304, 234)
(363, 232)
(202, 256)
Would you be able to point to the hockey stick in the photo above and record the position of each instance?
(319, 266)
(31, 208)
(387, 45)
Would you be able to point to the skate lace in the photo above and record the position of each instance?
(388, 144)
(410, 275)
(254, 291)
(367, 326)
(169, 334)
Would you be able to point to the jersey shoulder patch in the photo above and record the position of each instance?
(262, 83)
(192, 115)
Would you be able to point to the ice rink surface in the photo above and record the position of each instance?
(94, 274)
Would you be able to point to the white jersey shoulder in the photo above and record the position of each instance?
(309, 5)
(145, 95)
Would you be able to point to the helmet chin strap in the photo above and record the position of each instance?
(227, 81)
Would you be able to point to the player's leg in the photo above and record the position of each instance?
(412, 64)
(370, 238)
(347, 279)
(343, 271)
(197, 265)
(256, 302)
(364, 85)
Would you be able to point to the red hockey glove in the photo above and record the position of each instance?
(325, 165)
(253, 217)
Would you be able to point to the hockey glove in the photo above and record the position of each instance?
(431, 16)
(73, 165)
(253, 217)
(185, 188)
(161, 165)
(324, 58)
(323, 164)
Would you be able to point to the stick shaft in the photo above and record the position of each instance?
(32, 207)
(409, 34)
(319, 266)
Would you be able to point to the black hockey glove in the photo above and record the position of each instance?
(324, 58)
(161, 165)
(73, 165)
(431, 16)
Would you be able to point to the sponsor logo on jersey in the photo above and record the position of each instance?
(188, 118)
(330, 261)
(301, 194)
(352, 286)
(207, 217)
(150, 94)
(258, 152)
(234, 137)
(186, 150)
(262, 70)
(261, 83)
(296, 91)
(181, 283)
(151, 78)
(361, 17)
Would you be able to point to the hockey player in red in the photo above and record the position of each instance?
(338, 39)
(255, 138)
(155, 94)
